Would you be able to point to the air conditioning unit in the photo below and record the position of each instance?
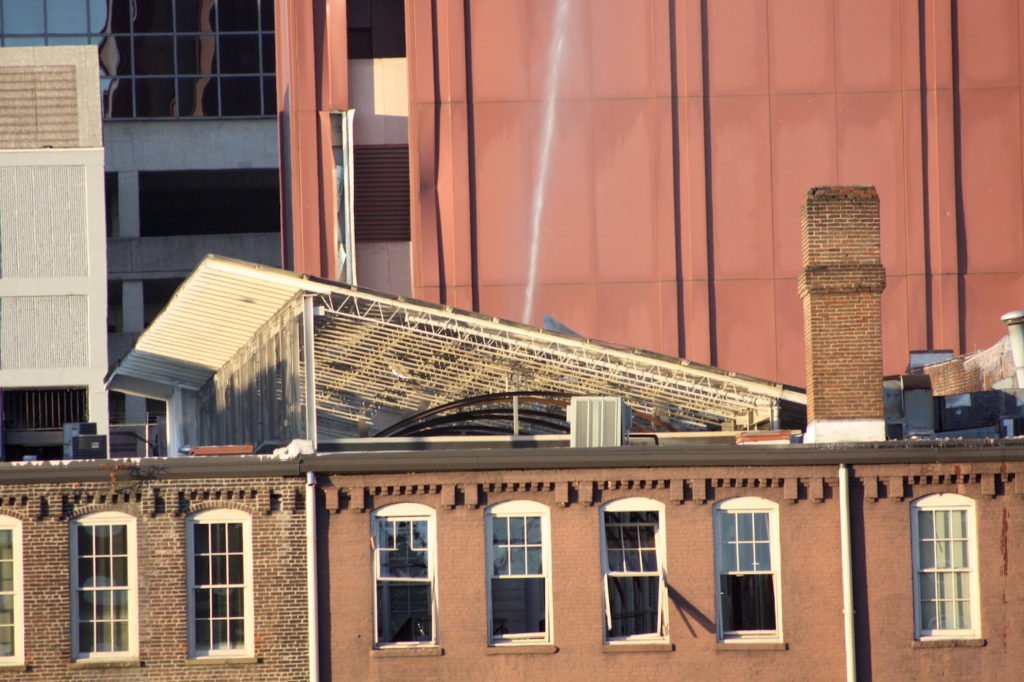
(73, 430)
(89, 447)
(598, 422)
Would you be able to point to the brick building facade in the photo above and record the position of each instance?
(887, 490)
(133, 602)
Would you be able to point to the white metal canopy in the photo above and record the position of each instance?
(377, 351)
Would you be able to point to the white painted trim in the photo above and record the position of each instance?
(214, 516)
(406, 511)
(520, 508)
(748, 505)
(14, 525)
(100, 519)
(947, 502)
(845, 431)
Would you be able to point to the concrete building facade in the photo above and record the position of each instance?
(53, 292)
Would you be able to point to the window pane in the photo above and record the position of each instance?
(500, 561)
(120, 576)
(219, 569)
(66, 16)
(649, 560)
(729, 557)
(202, 570)
(941, 524)
(238, 16)
(101, 534)
(763, 556)
(517, 606)
(235, 537)
(97, 16)
(86, 642)
(84, 540)
(236, 602)
(219, 635)
(499, 526)
(534, 561)
(963, 585)
(746, 557)
(533, 530)
(23, 16)
(419, 534)
(239, 53)
(942, 554)
(963, 614)
(727, 523)
(7, 640)
(926, 554)
(958, 524)
(6, 545)
(219, 602)
(959, 554)
(236, 633)
(516, 530)
(761, 527)
(203, 634)
(121, 604)
(218, 537)
(103, 604)
(925, 525)
(119, 539)
(746, 527)
(102, 577)
(612, 536)
(403, 612)
(7, 609)
(120, 636)
(615, 561)
(236, 574)
(240, 96)
(202, 603)
(748, 602)
(634, 605)
(926, 582)
(517, 557)
(104, 638)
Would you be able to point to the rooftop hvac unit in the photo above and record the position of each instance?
(73, 430)
(89, 447)
(598, 422)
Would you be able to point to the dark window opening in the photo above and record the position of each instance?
(748, 602)
(376, 29)
(43, 408)
(208, 202)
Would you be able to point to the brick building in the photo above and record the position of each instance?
(153, 570)
(786, 617)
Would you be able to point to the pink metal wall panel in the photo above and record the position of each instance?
(685, 135)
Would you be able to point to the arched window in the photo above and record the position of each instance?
(104, 600)
(519, 566)
(405, 579)
(12, 630)
(747, 569)
(220, 609)
(633, 564)
(945, 555)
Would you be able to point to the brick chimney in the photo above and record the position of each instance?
(841, 287)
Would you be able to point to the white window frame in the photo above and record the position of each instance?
(405, 511)
(17, 593)
(220, 516)
(947, 502)
(106, 518)
(636, 504)
(520, 508)
(725, 511)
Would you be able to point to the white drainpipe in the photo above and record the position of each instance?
(312, 601)
(844, 541)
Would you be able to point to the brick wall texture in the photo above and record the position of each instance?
(160, 509)
(811, 588)
(841, 287)
(978, 371)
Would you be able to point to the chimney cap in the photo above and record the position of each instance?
(1013, 317)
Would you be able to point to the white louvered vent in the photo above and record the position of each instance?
(598, 422)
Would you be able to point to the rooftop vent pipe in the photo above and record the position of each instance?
(1014, 321)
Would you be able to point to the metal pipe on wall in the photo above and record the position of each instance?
(850, 639)
(312, 587)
